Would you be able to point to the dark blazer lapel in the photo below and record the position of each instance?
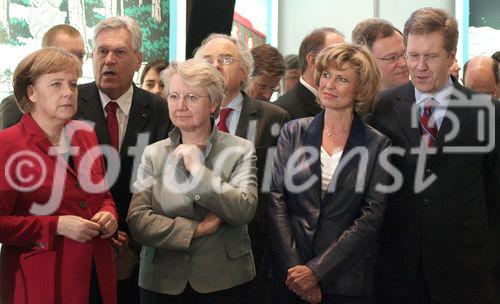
(139, 114)
(248, 113)
(90, 108)
(404, 111)
(312, 138)
(456, 108)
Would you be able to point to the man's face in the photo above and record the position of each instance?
(115, 61)
(428, 61)
(232, 71)
(389, 52)
(72, 44)
(263, 86)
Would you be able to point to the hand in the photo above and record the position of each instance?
(107, 222)
(313, 296)
(191, 156)
(119, 241)
(76, 228)
(301, 280)
(209, 225)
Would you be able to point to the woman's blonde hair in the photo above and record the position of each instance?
(347, 55)
(44, 61)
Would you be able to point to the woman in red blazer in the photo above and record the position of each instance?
(55, 211)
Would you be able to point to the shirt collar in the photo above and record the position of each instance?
(176, 139)
(124, 102)
(237, 103)
(308, 86)
(442, 96)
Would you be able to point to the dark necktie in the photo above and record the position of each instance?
(112, 123)
(428, 123)
(222, 126)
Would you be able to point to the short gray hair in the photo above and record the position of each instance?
(246, 61)
(122, 22)
(197, 73)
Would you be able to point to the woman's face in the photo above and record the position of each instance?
(189, 107)
(152, 82)
(337, 88)
(54, 96)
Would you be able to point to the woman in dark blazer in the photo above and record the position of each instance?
(326, 210)
(55, 211)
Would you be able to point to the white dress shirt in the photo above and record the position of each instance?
(234, 116)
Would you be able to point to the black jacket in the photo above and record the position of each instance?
(334, 235)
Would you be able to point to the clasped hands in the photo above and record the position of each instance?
(82, 230)
(302, 281)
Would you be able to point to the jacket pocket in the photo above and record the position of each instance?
(240, 260)
(38, 271)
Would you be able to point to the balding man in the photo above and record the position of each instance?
(481, 75)
(61, 35)
(386, 44)
(301, 100)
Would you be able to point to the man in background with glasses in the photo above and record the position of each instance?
(253, 119)
(435, 236)
(62, 35)
(386, 44)
(268, 68)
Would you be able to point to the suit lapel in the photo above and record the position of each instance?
(308, 99)
(90, 108)
(248, 113)
(404, 112)
(312, 138)
(139, 114)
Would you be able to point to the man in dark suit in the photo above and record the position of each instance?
(301, 101)
(255, 120)
(141, 118)
(434, 238)
(62, 35)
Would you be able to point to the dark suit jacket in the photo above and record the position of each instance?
(299, 102)
(9, 112)
(443, 228)
(260, 122)
(148, 114)
(334, 235)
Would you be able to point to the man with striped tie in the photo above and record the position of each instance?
(435, 235)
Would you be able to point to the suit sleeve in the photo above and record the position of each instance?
(149, 227)
(28, 231)
(9, 112)
(282, 237)
(234, 200)
(355, 241)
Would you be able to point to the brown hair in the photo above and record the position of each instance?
(44, 61)
(360, 60)
(370, 30)
(50, 35)
(267, 60)
(313, 43)
(157, 64)
(430, 20)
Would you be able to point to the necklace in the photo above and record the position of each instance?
(330, 133)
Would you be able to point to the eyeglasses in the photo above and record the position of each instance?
(392, 59)
(428, 58)
(267, 88)
(222, 59)
(188, 97)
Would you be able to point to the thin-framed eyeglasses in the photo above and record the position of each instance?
(188, 97)
(428, 58)
(393, 59)
(222, 59)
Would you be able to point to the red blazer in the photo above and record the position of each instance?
(36, 265)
